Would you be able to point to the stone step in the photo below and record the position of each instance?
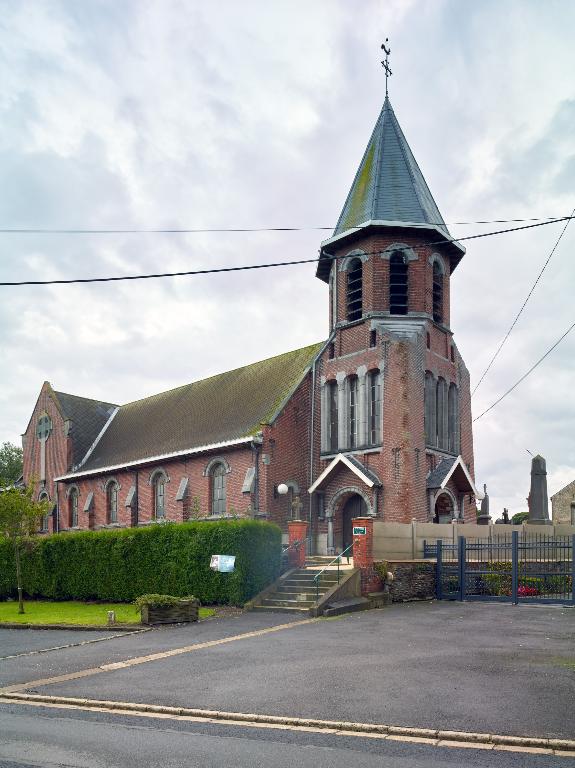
(311, 577)
(298, 586)
(309, 594)
(278, 603)
(279, 609)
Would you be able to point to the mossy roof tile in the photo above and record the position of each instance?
(222, 408)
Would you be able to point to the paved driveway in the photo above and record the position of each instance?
(479, 667)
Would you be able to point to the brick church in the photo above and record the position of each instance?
(375, 420)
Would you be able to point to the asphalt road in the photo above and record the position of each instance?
(47, 737)
(475, 667)
(83, 652)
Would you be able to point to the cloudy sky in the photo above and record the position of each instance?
(147, 114)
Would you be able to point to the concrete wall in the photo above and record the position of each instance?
(404, 541)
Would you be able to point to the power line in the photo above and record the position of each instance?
(525, 375)
(184, 231)
(261, 266)
(518, 315)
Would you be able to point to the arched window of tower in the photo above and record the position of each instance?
(398, 284)
(374, 408)
(355, 290)
(453, 419)
(430, 410)
(441, 411)
(352, 410)
(332, 418)
(437, 292)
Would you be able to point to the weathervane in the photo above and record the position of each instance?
(385, 64)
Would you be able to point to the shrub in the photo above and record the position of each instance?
(120, 565)
(160, 600)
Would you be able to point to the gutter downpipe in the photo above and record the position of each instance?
(256, 448)
(57, 507)
(312, 427)
(137, 500)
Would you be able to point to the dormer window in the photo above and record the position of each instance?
(355, 290)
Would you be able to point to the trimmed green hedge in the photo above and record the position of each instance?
(168, 558)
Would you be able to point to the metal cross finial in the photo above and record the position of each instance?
(385, 63)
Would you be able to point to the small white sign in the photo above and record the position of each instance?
(223, 563)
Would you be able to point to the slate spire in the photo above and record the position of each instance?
(389, 186)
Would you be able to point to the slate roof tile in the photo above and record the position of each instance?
(225, 407)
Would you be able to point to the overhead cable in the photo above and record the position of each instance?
(218, 270)
(518, 315)
(207, 230)
(525, 375)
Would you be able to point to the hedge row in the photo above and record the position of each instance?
(165, 558)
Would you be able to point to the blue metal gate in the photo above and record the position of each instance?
(513, 568)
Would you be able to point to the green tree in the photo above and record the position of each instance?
(519, 517)
(20, 518)
(10, 463)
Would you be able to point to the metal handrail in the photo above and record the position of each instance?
(294, 545)
(337, 560)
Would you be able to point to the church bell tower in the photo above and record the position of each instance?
(394, 390)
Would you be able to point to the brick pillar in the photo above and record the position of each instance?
(363, 554)
(297, 531)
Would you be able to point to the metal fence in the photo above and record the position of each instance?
(511, 568)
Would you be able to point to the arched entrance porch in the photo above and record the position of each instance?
(346, 505)
(445, 509)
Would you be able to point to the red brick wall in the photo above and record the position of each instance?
(403, 461)
(196, 503)
(286, 447)
(376, 275)
(58, 445)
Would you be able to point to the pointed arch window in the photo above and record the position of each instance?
(73, 508)
(159, 496)
(355, 290)
(112, 502)
(374, 407)
(398, 283)
(437, 292)
(45, 521)
(218, 489)
(332, 416)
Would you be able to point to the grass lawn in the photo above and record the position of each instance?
(73, 612)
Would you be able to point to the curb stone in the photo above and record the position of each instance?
(81, 627)
(566, 745)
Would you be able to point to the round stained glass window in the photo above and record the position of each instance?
(44, 427)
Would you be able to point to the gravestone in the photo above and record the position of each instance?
(484, 518)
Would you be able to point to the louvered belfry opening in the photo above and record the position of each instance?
(355, 290)
(398, 285)
(437, 293)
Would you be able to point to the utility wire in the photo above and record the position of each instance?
(525, 375)
(518, 315)
(261, 266)
(177, 231)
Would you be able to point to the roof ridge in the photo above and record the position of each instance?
(81, 397)
(403, 145)
(222, 373)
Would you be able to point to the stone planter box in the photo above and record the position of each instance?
(184, 610)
